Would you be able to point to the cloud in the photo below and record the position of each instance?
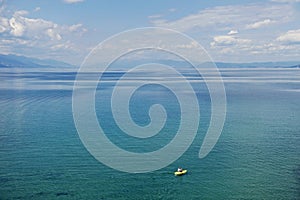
(259, 24)
(157, 16)
(232, 29)
(191, 45)
(230, 17)
(172, 9)
(4, 24)
(228, 40)
(17, 28)
(77, 27)
(20, 26)
(21, 34)
(232, 32)
(37, 9)
(292, 36)
(21, 12)
(53, 34)
(72, 1)
(154, 16)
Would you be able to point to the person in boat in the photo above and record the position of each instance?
(179, 169)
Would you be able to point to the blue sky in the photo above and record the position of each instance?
(230, 31)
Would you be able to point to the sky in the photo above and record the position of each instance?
(230, 31)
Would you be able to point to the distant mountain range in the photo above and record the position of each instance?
(291, 64)
(177, 63)
(14, 61)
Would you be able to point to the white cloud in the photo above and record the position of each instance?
(292, 36)
(53, 35)
(191, 45)
(27, 27)
(4, 24)
(37, 9)
(21, 13)
(76, 27)
(223, 40)
(172, 9)
(68, 45)
(230, 17)
(232, 27)
(157, 16)
(2, 29)
(17, 28)
(21, 34)
(73, 1)
(154, 16)
(259, 24)
(228, 40)
(232, 32)
(20, 26)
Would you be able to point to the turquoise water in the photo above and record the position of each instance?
(256, 157)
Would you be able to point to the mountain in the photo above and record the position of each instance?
(182, 63)
(15, 61)
(291, 64)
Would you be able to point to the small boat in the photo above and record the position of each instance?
(180, 173)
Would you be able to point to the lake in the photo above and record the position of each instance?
(256, 157)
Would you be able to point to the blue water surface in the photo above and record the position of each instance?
(256, 157)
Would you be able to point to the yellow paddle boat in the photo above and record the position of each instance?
(180, 173)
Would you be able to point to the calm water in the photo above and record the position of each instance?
(256, 157)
